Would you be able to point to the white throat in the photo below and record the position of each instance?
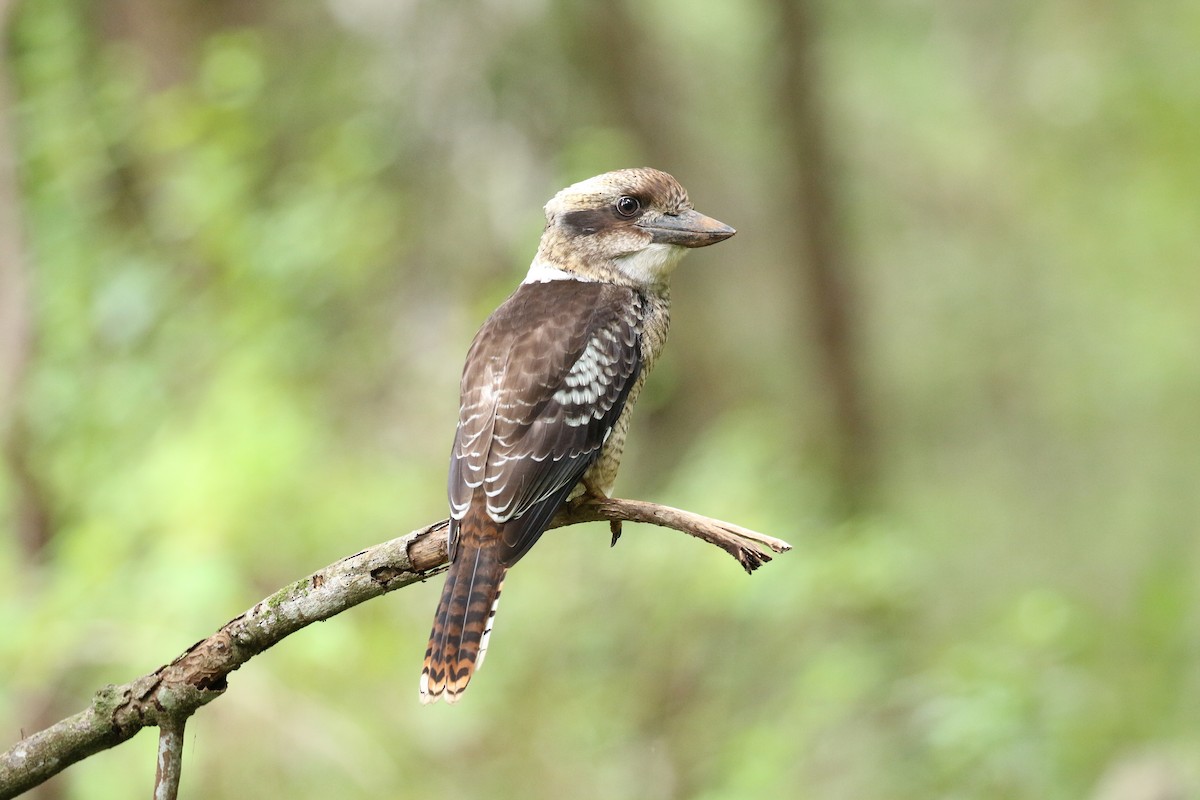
(651, 265)
(541, 272)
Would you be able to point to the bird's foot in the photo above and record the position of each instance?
(591, 494)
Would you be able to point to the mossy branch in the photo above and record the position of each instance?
(168, 696)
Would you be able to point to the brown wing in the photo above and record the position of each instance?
(545, 381)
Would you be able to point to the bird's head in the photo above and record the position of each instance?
(629, 227)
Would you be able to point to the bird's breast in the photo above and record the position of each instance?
(655, 319)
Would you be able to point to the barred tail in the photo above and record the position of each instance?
(463, 621)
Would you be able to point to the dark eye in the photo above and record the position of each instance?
(628, 206)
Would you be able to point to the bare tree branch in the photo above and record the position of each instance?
(170, 759)
(739, 542)
(172, 693)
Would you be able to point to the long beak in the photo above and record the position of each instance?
(687, 228)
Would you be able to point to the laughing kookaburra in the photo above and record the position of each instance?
(548, 387)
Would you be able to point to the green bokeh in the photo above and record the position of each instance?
(255, 281)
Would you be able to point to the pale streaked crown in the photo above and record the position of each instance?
(654, 187)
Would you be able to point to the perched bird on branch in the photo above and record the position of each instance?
(548, 387)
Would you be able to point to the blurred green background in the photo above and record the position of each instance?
(953, 355)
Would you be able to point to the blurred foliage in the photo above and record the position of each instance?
(262, 243)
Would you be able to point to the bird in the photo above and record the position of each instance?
(547, 389)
